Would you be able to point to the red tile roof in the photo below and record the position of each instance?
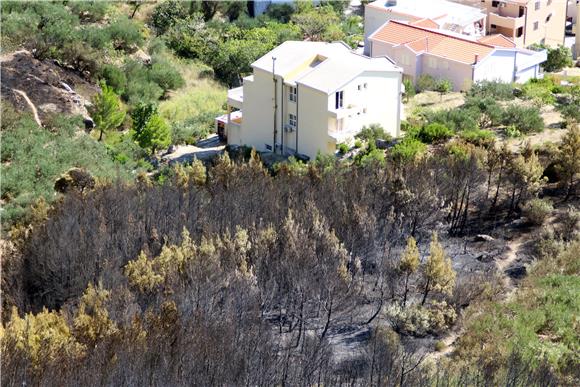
(436, 43)
(425, 23)
(497, 40)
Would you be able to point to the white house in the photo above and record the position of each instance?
(307, 97)
(434, 14)
(461, 60)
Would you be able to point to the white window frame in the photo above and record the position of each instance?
(292, 120)
(293, 94)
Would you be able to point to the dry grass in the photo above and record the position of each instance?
(199, 95)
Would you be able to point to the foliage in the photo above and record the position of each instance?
(443, 86)
(539, 91)
(342, 148)
(106, 110)
(316, 23)
(569, 157)
(150, 130)
(408, 149)
(479, 137)
(166, 14)
(539, 322)
(434, 132)
(537, 210)
(558, 58)
(454, 119)
(281, 12)
(499, 91)
(512, 132)
(372, 133)
(425, 82)
(33, 158)
(409, 89)
(125, 34)
(438, 272)
(525, 119)
(488, 111)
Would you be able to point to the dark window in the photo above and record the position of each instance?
(519, 32)
(537, 5)
(493, 26)
(494, 4)
(268, 147)
(338, 100)
(548, 18)
(536, 25)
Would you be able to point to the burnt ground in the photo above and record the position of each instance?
(49, 87)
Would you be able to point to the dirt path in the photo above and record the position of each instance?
(32, 107)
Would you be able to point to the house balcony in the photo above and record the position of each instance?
(507, 22)
(226, 124)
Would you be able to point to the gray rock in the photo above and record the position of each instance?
(483, 238)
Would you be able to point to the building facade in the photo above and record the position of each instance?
(307, 97)
(434, 14)
(526, 22)
(461, 60)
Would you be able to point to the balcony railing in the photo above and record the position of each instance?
(509, 22)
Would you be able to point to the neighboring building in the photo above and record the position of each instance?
(435, 14)
(461, 60)
(307, 97)
(526, 22)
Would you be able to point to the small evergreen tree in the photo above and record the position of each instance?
(106, 110)
(569, 157)
(438, 272)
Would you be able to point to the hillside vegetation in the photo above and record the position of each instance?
(448, 256)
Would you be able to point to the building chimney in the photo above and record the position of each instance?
(476, 58)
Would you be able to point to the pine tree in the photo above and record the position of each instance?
(438, 271)
(569, 158)
(409, 264)
(149, 129)
(106, 111)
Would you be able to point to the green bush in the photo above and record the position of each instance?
(480, 137)
(38, 156)
(525, 119)
(166, 14)
(512, 132)
(408, 149)
(434, 132)
(425, 82)
(487, 111)
(193, 129)
(558, 58)
(165, 75)
(499, 91)
(114, 77)
(409, 89)
(125, 33)
(372, 133)
(342, 148)
(537, 210)
(539, 91)
(454, 119)
(358, 144)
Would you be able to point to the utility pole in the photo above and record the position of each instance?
(275, 102)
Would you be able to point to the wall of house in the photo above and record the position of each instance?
(371, 98)
(460, 74)
(526, 74)
(374, 18)
(312, 129)
(552, 31)
(258, 112)
(403, 57)
(498, 66)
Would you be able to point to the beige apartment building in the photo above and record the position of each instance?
(526, 22)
